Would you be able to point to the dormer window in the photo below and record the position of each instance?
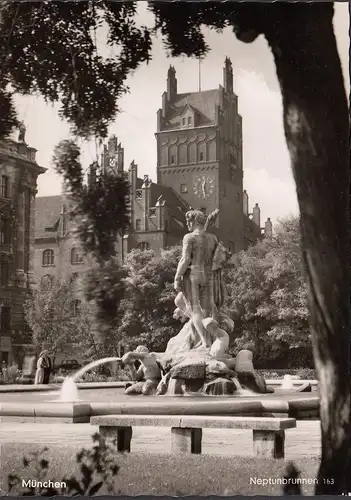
(187, 116)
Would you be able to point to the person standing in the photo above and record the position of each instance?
(47, 368)
(43, 368)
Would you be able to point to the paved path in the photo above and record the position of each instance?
(300, 442)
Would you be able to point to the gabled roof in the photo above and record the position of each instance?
(174, 204)
(186, 108)
(202, 103)
(48, 209)
(47, 215)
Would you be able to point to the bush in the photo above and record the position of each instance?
(306, 373)
(98, 467)
(301, 373)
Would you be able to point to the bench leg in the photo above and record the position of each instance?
(186, 440)
(269, 444)
(122, 435)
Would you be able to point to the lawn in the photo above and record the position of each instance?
(171, 475)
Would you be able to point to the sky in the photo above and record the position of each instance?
(267, 175)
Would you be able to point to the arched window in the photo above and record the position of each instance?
(48, 257)
(76, 258)
(143, 245)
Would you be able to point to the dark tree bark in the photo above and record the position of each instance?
(317, 131)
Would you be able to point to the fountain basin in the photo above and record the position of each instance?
(293, 406)
(52, 387)
(70, 412)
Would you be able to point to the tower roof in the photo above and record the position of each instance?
(202, 103)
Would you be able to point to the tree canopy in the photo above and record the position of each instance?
(57, 319)
(148, 305)
(267, 298)
(50, 48)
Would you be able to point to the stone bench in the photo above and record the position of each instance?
(186, 431)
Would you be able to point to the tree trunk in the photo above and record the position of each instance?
(316, 129)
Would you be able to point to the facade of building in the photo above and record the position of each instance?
(18, 186)
(158, 215)
(199, 165)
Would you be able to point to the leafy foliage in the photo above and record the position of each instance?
(97, 466)
(55, 318)
(149, 301)
(99, 214)
(103, 289)
(267, 298)
(50, 48)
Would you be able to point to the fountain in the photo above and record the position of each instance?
(196, 361)
(287, 383)
(69, 389)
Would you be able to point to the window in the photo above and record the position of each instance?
(138, 225)
(201, 157)
(173, 159)
(152, 212)
(76, 306)
(5, 231)
(48, 257)
(143, 245)
(4, 186)
(138, 194)
(76, 258)
(5, 319)
(184, 121)
(189, 120)
(4, 273)
(183, 188)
